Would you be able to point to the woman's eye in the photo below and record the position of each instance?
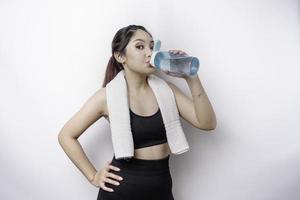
(143, 47)
(140, 46)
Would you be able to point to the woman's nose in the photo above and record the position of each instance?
(149, 52)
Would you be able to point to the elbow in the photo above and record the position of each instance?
(208, 126)
(65, 134)
(62, 138)
(211, 128)
(212, 124)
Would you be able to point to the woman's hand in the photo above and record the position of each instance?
(178, 52)
(104, 175)
(179, 75)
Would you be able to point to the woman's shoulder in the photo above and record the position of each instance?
(101, 94)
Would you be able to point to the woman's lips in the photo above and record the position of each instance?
(149, 64)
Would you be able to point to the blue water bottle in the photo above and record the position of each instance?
(175, 64)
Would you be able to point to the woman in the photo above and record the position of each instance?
(146, 175)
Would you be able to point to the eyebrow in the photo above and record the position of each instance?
(143, 40)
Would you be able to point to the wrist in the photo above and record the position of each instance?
(193, 78)
(91, 178)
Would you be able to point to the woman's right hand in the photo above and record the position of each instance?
(105, 176)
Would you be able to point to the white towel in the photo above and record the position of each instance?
(119, 116)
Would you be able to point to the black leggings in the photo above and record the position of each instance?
(142, 180)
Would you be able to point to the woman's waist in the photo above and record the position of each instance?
(153, 152)
(143, 166)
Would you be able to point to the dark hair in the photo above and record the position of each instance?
(119, 43)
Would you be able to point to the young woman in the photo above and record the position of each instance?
(146, 176)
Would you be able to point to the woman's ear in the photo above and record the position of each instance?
(120, 58)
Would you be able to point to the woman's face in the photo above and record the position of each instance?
(138, 53)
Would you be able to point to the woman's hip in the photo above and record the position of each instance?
(142, 179)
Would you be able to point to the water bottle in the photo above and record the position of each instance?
(175, 64)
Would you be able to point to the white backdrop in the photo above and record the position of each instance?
(53, 56)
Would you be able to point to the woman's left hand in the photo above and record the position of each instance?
(176, 52)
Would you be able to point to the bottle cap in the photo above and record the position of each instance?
(153, 60)
(194, 66)
(157, 44)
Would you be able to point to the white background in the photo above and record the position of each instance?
(53, 56)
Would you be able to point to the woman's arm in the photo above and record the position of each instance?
(90, 112)
(203, 108)
(197, 111)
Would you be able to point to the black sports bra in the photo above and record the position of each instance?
(147, 130)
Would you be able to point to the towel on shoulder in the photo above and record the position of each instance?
(119, 116)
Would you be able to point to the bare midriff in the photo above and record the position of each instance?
(153, 152)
